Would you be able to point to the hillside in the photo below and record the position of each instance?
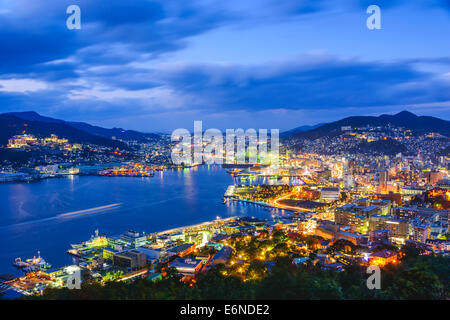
(118, 133)
(408, 120)
(11, 125)
(290, 133)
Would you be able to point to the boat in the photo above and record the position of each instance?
(95, 241)
(33, 264)
(234, 171)
(19, 263)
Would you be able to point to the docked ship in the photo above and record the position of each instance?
(96, 241)
(129, 170)
(33, 264)
(234, 171)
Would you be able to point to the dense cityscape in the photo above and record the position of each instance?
(217, 159)
(335, 208)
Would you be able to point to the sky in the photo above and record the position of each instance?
(155, 66)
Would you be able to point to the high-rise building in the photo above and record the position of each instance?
(421, 232)
(384, 178)
(398, 228)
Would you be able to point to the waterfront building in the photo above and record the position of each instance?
(133, 239)
(131, 259)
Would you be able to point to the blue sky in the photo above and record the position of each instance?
(160, 65)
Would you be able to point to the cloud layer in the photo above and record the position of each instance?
(117, 68)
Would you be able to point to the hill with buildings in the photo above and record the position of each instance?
(113, 134)
(11, 125)
(404, 119)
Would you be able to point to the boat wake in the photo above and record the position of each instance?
(90, 211)
(73, 214)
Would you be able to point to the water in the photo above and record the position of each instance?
(50, 215)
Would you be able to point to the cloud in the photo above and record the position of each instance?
(310, 81)
(112, 69)
(22, 85)
(33, 34)
(316, 81)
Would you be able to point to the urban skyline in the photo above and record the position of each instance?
(228, 153)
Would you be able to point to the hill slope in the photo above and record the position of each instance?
(418, 124)
(118, 133)
(11, 125)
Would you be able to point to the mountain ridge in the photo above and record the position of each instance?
(418, 124)
(11, 125)
(66, 129)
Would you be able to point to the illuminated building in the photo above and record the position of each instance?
(384, 178)
(398, 228)
(187, 267)
(334, 232)
(221, 257)
(133, 239)
(391, 196)
(54, 139)
(434, 177)
(329, 194)
(380, 235)
(338, 170)
(421, 233)
(131, 259)
(182, 250)
(355, 216)
(383, 205)
(22, 141)
(412, 191)
(383, 257)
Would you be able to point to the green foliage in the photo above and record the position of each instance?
(417, 277)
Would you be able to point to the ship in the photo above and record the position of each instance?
(33, 264)
(233, 172)
(96, 241)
